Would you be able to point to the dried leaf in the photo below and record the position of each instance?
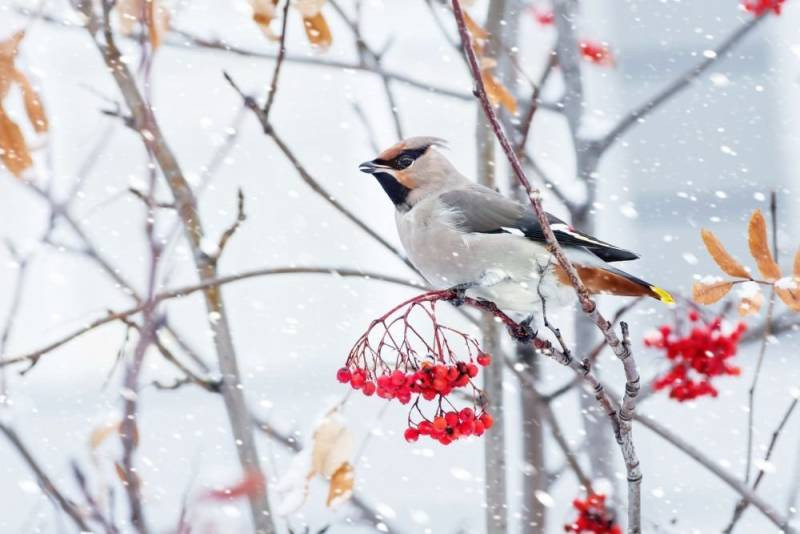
(14, 151)
(317, 31)
(498, 94)
(332, 446)
(342, 483)
(725, 261)
(709, 293)
(101, 433)
(263, 15)
(149, 13)
(759, 247)
(475, 30)
(751, 305)
(121, 473)
(797, 264)
(33, 104)
(788, 289)
(251, 485)
(308, 8)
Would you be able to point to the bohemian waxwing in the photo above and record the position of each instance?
(461, 234)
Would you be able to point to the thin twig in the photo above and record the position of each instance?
(635, 116)
(273, 86)
(45, 482)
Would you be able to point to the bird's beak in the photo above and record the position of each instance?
(368, 167)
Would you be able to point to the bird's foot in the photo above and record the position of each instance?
(523, 332)
(459, 293)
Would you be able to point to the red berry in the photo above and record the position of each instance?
(369, 389)
(467, 428)
(467, 414)
(483, 359)
(487, 420)
(693, 315)
(398, 378)
(425, 427)
(411, 434)
(472, 370)
(479, 428)
(451, 418)
(358, 379)
(439, 423)
(343, 375)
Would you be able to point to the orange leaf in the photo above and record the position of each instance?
(149, 13)
(797, 264)
(759, 247)
(725, 261)
(317, 30)
(475, 30)
(101, 433)
(788, 289)
(751, 305)
(33, 104)
(342, 483)
(13, 148)
(498, 94)
(251, 485)
(711, 292)
(263, 14)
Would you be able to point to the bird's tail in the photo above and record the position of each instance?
(611, 281)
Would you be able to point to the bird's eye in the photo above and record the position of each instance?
(404, 162)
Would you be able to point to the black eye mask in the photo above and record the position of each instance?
(402, 160)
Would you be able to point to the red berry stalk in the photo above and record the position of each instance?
(408, 356)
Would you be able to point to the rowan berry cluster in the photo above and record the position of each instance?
(593, 517)
(393, 360)
(760, 7)
(696, 357)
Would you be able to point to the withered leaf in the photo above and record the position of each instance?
(475, 30)
(498, 94)
(33, 104)
(788, 289)
(150, 14)
(13, 149)
(751, 304)
(101, 433)
(308, 8)
(263, 14)
(759, 247)
(797, 264)
(723, 258)
(332, 446)
(710, 293)
(342, 483)
(317, 30)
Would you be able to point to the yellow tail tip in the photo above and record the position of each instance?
(663, 296)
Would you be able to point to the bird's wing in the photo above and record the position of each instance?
(482, 210)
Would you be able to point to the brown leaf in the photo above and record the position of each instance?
(759, 247)
(121, 473)
(342, 483)
(788, 289)
(33, 104)
(251, 485)
(475, 30)
(711, 292)
(332, 446)
(149, 13)
(751, 304)
(797, 264)
(725, 261)
(317, 30)
(14, 151)
(263, 14)
(497, 93)
(101, 433)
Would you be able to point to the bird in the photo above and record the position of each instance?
(462, 235)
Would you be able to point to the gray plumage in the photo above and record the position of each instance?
(457, 232)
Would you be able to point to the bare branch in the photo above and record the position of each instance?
(273, 87)
(635, 116)
(33, 357)
(45, 482)
(228, 233)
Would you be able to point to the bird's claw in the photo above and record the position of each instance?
(459, 294)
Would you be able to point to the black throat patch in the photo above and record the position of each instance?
(398, 193)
